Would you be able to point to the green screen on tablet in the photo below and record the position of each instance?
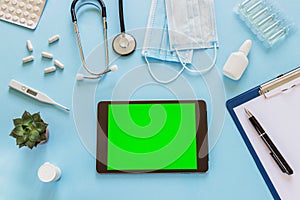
(157, 136)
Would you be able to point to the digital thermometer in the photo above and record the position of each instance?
(34, 93)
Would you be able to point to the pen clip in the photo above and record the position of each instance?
(279, 163)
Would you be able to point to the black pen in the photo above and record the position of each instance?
(282, 163)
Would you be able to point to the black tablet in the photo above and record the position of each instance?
(152, 136)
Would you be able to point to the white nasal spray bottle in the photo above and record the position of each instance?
(237, 61)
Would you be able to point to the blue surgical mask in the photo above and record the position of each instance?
(176, 28)
(157, 42)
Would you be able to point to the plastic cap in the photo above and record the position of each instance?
(79, 77)
(114, 68)
(246, 46)
(48, 173)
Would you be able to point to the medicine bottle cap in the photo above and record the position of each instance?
(246, 46)
(49, 173)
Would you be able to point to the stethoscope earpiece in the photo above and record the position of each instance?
(80, 76)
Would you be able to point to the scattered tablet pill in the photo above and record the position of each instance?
(47, 55)
(58, 64)
(27, 59)
(29, 45)
(53, 39)
(49, 69)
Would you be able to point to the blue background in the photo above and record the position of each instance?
(233, 173)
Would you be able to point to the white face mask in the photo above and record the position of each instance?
(191, 23)
(157, 43)
(176, 28)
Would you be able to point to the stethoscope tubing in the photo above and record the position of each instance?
(73, 10)
(123, 37)
(95, 75)
(121, 16)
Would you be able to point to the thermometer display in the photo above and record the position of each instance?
(31, 92)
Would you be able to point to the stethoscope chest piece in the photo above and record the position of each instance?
(124, 44)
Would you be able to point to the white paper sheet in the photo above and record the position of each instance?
(280, 118)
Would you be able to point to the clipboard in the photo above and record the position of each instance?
(271, 93)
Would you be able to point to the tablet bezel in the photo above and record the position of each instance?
(201, 137)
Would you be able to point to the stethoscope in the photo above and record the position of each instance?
(123, 44)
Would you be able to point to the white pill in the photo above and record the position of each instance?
(53, 39)
(49, 69)
(21, 4)
(29, 7)
(11, 9)
(26, 14)
(36, 9)
(19, 11)
(33, 16)
(59, 64)
(30, 23)
(47, 55)
(15, 18)
(1, 13)
(29, 45)
(7, 16)
(27, 59)
(39, 2)
(4, 7)
(22, 20)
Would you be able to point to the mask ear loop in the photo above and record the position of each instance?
(183, 67)
(197, 70)
(157, 79)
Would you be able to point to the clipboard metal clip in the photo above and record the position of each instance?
(267, 88)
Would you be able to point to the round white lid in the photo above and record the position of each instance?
(47, 172)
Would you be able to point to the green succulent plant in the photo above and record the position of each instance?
(29, 130)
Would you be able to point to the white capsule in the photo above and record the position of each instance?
(27, 59)
(49, 70)
(53, 39)
(29, 45)
(47, 55)
(59, 64)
